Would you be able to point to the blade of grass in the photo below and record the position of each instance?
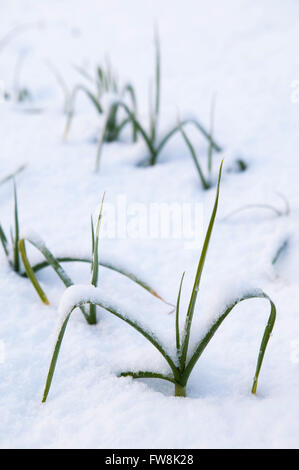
(111, 125)
(44, 264)
(4, 242)
(12, 175)
(130, 90)
(92, 240)
(30, 273)
(255, 206)
(138, 125)
(95, 264)
(286, 210)
(263, 346)
(155, 109)
(201, 263)
(146, 375)
(121, 126)
(175, 129)
(101, 141)
(177, 317)
(51, 260)
(204, 182)
(83, 73)
(55, 357)
(95, 260)
(16, 233)
(92, 98)
(284, 245)
(135, 122)
(70, 113)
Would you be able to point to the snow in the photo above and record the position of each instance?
(244, 51)
(33, 237)
(80, 294)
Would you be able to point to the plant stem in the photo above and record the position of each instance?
(179, 390)
(92, 317)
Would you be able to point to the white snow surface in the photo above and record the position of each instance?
(247, 52)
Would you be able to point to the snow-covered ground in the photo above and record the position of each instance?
(245, 51)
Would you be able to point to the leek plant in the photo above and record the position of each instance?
(180, 366)
(54, 262)
(15, 251)
(105, 83)
(150, 135)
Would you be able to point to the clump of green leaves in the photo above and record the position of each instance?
(183, 363)
(150, 135)
(55, 263)
(105, 83)
(15, 251)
